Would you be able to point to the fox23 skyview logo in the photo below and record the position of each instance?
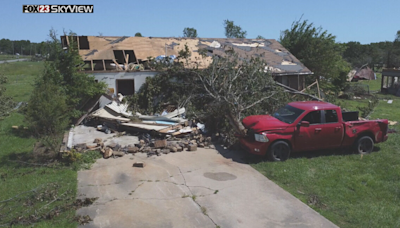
(57, 8)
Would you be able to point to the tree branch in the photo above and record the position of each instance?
(257, 102)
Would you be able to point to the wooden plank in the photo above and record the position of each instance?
(91, 63)
(319, 93)
(86, 114)
(308, 87)
(116, 64)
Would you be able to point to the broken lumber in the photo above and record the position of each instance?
(160, 143)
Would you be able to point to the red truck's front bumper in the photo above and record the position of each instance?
(253, 147)
(385, 138)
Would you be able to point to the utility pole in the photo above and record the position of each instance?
(13, 47)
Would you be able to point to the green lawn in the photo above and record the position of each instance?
(374, 85)
(349, 190)
(352, 105)
(18, 177)
(21, 76)
(36, 192)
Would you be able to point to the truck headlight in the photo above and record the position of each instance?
(261, 138)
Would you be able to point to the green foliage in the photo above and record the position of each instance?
(374, 54)
(61, 91)
(260, 37)
(189, 32)
(71, 156)
(233, 31)
(366, 110)
(184, 53)
(6, 102)
(64, 68)
(47, 111)
(220, 95)
(394, 53)
(23, 47)
(317, 50)
(138, 34)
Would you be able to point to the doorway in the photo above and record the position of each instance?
(125, 86)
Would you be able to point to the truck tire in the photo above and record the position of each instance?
(364, 145)
(279, 151)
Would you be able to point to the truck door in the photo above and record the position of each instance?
(310, 138)
(332, 131)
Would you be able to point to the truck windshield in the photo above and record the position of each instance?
(288, 114)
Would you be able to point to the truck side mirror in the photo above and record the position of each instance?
(303, 124)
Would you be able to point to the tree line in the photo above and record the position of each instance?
(23, 47)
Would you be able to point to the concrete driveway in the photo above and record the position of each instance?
(188, 189)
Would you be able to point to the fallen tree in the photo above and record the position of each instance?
(220, 95)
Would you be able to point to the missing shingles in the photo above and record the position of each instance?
(119, 40)
(91, 52)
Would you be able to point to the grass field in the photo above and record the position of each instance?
(374, 85)
(21, 76)
(349, 190)
(43, 195)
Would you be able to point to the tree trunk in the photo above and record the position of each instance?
(236, 124)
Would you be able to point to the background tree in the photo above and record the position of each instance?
(233, 31)
(138, 34)
(317, 49)
(393, 59)
(23, 47)
(189, 32)
(260, 37)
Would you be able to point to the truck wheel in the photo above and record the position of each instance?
(364, 145)
(279, 151)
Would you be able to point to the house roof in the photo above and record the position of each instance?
(280, 61)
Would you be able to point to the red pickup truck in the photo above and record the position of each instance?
(310, 125)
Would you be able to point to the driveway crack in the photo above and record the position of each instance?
(194, 200)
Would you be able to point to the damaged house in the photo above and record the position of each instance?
(122, 62)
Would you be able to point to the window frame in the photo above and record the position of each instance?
(321, 117)
(337, 116)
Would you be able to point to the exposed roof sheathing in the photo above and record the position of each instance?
(279, 60)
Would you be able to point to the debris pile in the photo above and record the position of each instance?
(151, 145)
(154, 135)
